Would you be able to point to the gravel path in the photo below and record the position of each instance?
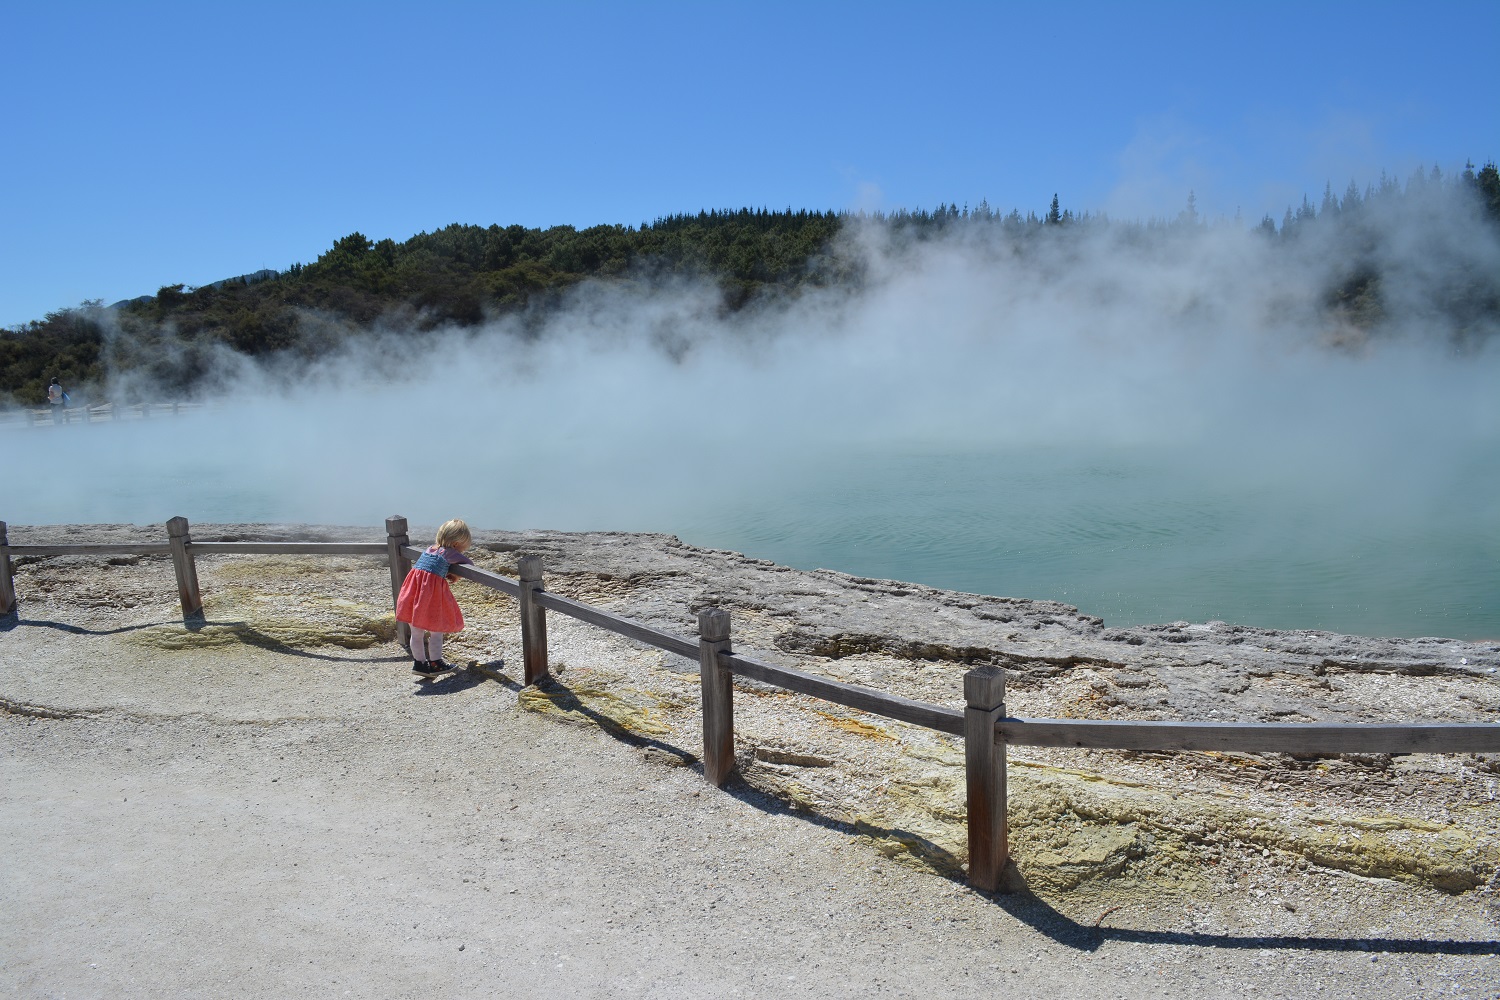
(282, 819)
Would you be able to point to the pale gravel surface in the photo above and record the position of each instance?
(284, 819)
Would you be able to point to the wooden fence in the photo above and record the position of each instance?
(983, 724)
(99, 413)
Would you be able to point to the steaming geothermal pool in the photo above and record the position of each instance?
(1133, 535)
(1143, 538)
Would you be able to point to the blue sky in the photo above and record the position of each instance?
(148, 144)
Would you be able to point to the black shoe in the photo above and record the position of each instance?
(434, 668)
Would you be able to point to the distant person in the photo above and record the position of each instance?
(426, 602)
(57, 397)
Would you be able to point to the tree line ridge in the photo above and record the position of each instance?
(467, 275)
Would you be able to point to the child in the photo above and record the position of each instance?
(426, 603)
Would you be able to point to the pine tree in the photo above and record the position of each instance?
(1330, 204)
(1352, 200)
(1054, 214)
(1189, 216)
(1488, 182)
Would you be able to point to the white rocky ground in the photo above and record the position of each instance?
(268, 805)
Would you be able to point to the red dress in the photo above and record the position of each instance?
(426, 601)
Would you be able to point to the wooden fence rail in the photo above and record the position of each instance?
(55, 415)
(918, 713)
(982, 724)
(1254, 737)
(121, 549)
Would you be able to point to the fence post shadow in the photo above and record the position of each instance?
(1023, 904)
(494, 670)
(562, 697)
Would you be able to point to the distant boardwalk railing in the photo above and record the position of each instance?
(982, 723)
(56, 416)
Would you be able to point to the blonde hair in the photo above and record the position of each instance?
(453, 533)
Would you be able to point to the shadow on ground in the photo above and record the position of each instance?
(13, 621)
(463, 678)
(563, 697)
(1037, 914)
(1019, 901)
(243, 632)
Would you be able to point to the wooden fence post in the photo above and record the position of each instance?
(185, 567)
(533, 621)
(395, 537)
(7, 574)
(984, 764)
(718, 696)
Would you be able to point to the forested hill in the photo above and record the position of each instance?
(460, 275)
(465, 275)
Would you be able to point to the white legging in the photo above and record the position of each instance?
(434, 645)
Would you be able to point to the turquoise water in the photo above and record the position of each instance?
(1133, 535)
(1141, 538)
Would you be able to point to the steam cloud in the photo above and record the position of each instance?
(1207, 355)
